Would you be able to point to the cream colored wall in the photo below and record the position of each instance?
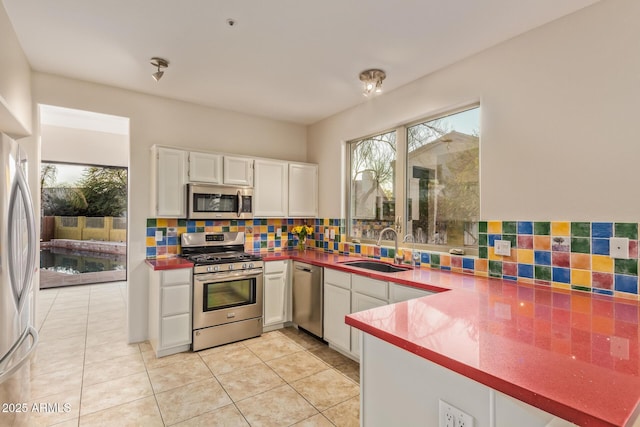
(155, 120)
(559, 135)
(15, 83)
(63, 144)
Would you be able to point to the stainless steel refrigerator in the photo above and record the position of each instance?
(18, 337)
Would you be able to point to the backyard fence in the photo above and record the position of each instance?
(110, 229)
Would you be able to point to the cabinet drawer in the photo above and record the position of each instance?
(275, 267)
(399, 293)
(176, 330)
(337, 278)
(177, 276)
(372, 287)
(175, 300)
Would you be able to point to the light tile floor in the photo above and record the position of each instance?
(282, 378)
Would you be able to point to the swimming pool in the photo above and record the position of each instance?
(67, 261)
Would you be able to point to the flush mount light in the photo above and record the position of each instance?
(372, 81)
(160, 63)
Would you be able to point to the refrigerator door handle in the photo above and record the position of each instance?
(30, 331)
(20, 191)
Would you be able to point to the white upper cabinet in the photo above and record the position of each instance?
(303, 190)
(169, 176)
(205, 167)
(270, 191)
(238, 171)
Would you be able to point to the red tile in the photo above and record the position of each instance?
(525, 242)
(601, 280)
(561, 259)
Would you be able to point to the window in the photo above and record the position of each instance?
(440, 198)
(372, 193)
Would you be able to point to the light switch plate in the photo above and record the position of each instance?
(159, 235)
(502, 247)
(619, 247)
(332, 234)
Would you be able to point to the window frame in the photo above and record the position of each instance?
(401, 182)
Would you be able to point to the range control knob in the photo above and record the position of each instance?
(244, 266)
(216, 268)
(250, 265)
(230, 266)
(210, 269)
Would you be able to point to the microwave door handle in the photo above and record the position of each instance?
(239, 203)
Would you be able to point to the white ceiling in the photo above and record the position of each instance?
(292, 60)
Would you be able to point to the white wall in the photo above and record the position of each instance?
(155, 120)
(559, 113)
(63, 144)
(15, 82)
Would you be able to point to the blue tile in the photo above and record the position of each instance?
(624, 283)
(151, 231)
(191, 229)
(561, 275)
(445, 268)
(525, 270)
(525, 227)
(493, 238)
(424, 258)
(542, 257)
(358, 249)
(602, 291)
(172, 241)
(208, 223)
(263, 236)
(191, 223)
(383, 252)
(512, 278)
(600, 246)
(151, 252)
(256, 246)
(241, 223)
(602, 229)
(468, 263)
(278, 243)
(271, 229)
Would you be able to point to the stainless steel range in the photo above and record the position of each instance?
(227, 288)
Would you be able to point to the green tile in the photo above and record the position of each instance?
(483, 252)
(542, 228)
(581, 245)
(542, 272)
(580, 229)
(580, 288)
(182, 223)
(509, 227)
(482, 239)
(482, 227)
(512, 238)
(225, 229)
(263, 244)
(626, 266)
(200, 229)
(626, 229)
(151, 222)
(390, 253)
(435, 259)
(495, 268)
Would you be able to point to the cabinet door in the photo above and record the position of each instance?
(175, 330)
(275, 298)
(170, 179)
(205, 167)
(337, 304)
(270, 192)
(361, 302)
(238, 171)
(303, 190)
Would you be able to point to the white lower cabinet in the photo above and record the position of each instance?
(170, 311)
(360, 302)
(277, 295)
(337, 304)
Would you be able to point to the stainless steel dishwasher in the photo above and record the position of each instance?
(307, 297)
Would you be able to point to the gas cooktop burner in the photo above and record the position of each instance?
(221, 257)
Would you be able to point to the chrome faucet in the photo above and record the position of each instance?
(396, 229)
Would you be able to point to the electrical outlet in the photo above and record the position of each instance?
(332, 234)
(502, 247)
(619, 247)
(450, 416)
(278, 232)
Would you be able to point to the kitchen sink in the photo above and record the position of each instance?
(376, 266)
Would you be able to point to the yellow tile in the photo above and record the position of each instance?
(161, 222)
(581, 277)
(625, 295)
(200, 223)
(492, 254)
(561, 285)
(525, 256)
(494, 227)
(602, 263)
(560, 228)
(151, 241)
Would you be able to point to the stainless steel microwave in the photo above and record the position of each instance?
(219, 202)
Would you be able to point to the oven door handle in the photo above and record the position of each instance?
(217, 277)
(239, 203)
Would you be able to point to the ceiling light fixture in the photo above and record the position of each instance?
(159, 63)
(372, 81)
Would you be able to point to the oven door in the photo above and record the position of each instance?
(219, 202)
(220, 298)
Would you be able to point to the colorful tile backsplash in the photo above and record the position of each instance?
(562, 254)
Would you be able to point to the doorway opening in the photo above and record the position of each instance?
(84, 197)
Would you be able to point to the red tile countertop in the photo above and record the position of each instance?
(168, 263)
(573, 354)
